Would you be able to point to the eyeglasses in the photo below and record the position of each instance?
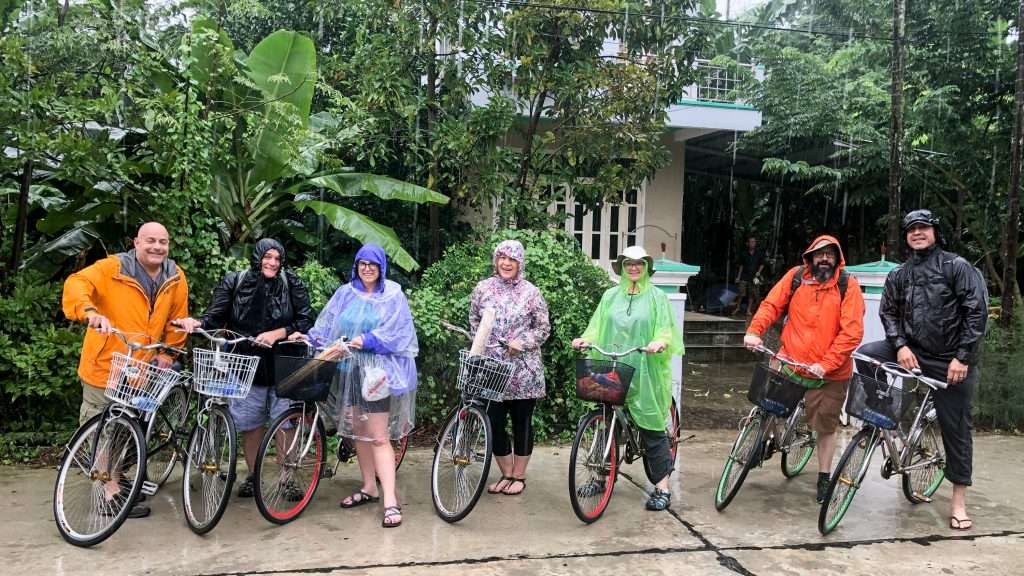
(633, 263)
(368, 265)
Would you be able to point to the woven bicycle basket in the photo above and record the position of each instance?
(880, 403)
(137, 383)
(223, 374)
(601, 380)
(483, 376)
(774, 391)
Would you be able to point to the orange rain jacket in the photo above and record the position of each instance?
(106, 288)
(820, 329)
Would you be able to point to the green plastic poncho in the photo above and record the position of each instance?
(624, 321)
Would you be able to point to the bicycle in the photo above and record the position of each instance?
(212, 453)
(916, 454)
(775, 396)
(103, 469)
(462, 452)
(599, 447)
(292, 458)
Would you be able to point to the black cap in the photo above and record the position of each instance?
(919, 217)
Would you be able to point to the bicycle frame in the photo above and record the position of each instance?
(895, 442)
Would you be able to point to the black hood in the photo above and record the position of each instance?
(261, 249)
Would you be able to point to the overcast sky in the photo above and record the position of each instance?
(736, 7)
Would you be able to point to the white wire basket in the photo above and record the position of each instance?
(222, 374)
(137, 383)
(483, 376)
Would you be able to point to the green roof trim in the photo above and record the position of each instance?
(708, 104)
(879, 266)
(666, 265)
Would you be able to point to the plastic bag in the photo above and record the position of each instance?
(375, 384)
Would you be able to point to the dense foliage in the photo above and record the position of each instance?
(572, 287)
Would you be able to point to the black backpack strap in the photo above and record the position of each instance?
(843, 282)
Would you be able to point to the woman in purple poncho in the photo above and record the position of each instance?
(376, 394)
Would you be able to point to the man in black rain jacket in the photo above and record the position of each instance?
(934, 310)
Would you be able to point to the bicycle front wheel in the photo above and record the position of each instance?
(745, 453)
(845, 482)
(462, 460)
(209, 469)
(799, 444)
(926, 464)
(289, 465)
(162, 438)
(99, 479)
(400, 446)
(593, 467)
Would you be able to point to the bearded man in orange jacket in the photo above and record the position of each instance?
(140, 291)
(825, 325)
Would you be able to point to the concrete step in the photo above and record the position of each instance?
(708, 353)
(733, 338)
(718, 325)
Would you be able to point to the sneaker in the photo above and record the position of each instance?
(590, 489)
(292, 493)
(822, 489)
(246, 489)
(659, 500)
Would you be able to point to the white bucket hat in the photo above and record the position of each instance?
(633, 253)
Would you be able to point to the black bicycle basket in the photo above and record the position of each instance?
(600, 380)
(878, 402)
(774, 391)
(303, 378)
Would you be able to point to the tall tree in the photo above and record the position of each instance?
(899, 11)
(1010, 290)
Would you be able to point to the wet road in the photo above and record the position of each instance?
(770, 528)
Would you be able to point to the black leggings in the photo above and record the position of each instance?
(521, 412)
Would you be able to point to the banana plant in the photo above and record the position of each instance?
(277, 152)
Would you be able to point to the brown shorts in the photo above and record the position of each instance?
(93, 402)
(824, 405)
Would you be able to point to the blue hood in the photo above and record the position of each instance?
(370, 253)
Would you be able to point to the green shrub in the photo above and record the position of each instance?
(570, 283)
(39, 349)
(320, 281)
(999, 400)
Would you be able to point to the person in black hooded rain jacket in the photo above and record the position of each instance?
(269, 302)
(934, 310)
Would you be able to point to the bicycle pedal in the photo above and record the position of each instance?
(149, 488)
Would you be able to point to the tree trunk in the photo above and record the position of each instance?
(21, 220)
(896, 129)
(1013, 195)
(434, 215)
(526, 159)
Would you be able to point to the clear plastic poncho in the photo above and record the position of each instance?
(622, 321)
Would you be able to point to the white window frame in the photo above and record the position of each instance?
(586, 234)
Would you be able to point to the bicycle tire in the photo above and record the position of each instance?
(400, 447)
(76, 487)
(285, 483)
(590, 497)
(846, 479)
(800, 437)
(460, 462)
(920, 485)
(745, 451)
(209, 469)
(162, 441)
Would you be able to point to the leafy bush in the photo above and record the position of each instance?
(320, 281)
(570, 283)
(39, 349)
(999, 400)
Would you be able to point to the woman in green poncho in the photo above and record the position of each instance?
(635, 313)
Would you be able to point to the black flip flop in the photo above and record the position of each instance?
(358, 499)
(391, 512)
(502, 489)
(513, 481)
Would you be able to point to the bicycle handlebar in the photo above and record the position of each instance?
(899, 371)
(459, 329)
(589, 346)
(766, 350)
(225, 341)
(133, 346)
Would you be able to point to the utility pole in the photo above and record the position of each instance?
(899, 11)
(1013, 194)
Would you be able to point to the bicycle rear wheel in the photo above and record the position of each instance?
(289, 465)
(592, 472)
(845, 482)
(92, 496)
(926, 453)
(162, 435)
(462, 460)
(209, 469)
(799, 445)
(745, 453)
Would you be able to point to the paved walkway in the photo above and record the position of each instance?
(770, 528)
